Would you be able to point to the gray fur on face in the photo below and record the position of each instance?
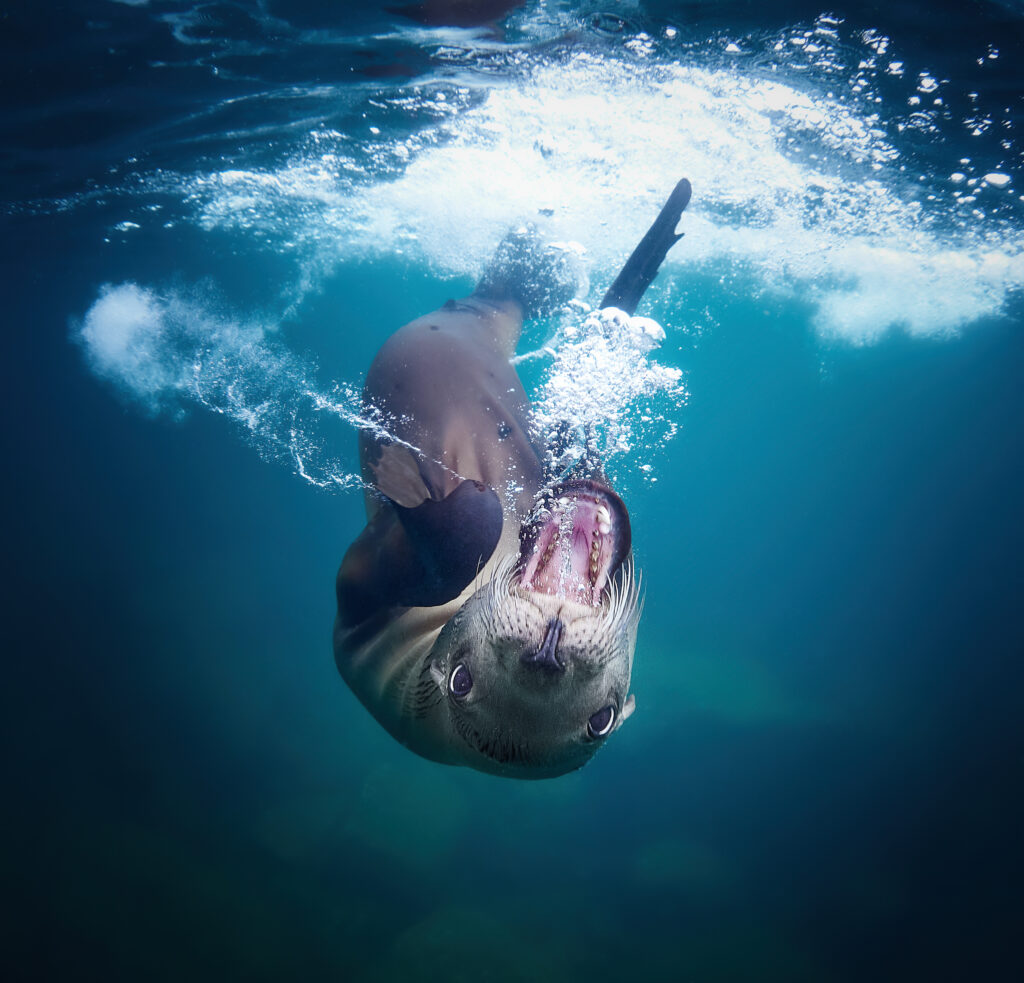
(518, 719)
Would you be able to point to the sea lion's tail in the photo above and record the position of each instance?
(642, 266)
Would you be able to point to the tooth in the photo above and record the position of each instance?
(547, 552)
(603, 528)
(604, 516)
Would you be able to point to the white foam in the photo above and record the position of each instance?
(926, 294)
(123, 333)
(797, 186)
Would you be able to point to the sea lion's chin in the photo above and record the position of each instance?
(574, 543)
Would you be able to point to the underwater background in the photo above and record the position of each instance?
(214, 213)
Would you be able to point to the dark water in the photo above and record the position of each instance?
(823, 779)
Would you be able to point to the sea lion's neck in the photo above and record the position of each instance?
(501, 319)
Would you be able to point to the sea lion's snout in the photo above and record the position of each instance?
(546, 657)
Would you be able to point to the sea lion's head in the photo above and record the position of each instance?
(533, 670)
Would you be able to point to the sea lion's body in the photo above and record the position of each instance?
(487, 617)
(447, 384)
(457, 362)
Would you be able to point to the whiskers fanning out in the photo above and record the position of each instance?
(498, 610)
(619, 611)
(624, 602)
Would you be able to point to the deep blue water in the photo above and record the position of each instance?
(823, 780)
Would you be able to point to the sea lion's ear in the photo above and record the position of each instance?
(437, 674)
(452, 539)
(627, 708)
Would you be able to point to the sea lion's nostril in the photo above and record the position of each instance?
(546, 657)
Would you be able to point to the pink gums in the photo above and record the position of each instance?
(572, 554)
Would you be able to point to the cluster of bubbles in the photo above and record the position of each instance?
(602, 395)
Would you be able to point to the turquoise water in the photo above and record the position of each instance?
(822, 779)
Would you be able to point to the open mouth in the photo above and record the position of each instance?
(574, 542)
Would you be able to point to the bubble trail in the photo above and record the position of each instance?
(170, 351)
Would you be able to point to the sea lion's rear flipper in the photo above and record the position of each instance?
(540, 276)
(422, 556)
(642, 266)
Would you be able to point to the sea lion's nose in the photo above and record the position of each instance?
(546, 657)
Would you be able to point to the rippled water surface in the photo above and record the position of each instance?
(214, 213)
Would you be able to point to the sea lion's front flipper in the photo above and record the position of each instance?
(642, 266)
(453, 538)
(397, 475)
(421, 556)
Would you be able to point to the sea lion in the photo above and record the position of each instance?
(487, 614)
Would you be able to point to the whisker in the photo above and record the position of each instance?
(625, 601)
(499, 590)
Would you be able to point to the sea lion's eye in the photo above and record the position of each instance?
(601, 723)
(460, 682)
